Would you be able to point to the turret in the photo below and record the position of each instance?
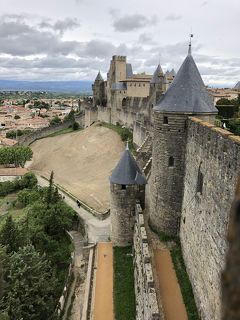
(156, 83)
(98, 90)
(186, 96)
(127, 184)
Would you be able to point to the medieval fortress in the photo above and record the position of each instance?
(190, 168)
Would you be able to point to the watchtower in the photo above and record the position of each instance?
(127, 184)
(186, 96)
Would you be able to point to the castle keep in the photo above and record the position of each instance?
(191, 167)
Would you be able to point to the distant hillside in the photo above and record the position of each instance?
(52, 86)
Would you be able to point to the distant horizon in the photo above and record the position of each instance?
(220, 86)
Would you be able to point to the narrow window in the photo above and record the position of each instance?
(171, 162)
(200, 181)
(123, 186)
(165, 120)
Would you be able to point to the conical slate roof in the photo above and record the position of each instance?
(99, 77)
(155, 77)
(237, 86)
(127, 171)
(187, 93)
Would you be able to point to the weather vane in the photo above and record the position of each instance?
(190, 43)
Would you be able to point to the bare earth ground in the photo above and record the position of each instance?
(173, 305)
(82, 162)
(103, 302)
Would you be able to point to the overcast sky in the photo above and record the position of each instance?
(73, 39)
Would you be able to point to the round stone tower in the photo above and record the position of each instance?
(186, 96)
(127, 185)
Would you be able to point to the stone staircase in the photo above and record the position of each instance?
(144, 154)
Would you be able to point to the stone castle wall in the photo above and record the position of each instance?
(146, 299)
(212, 164)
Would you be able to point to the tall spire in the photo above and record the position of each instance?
(190, 44)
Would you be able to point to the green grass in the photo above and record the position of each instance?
(124, 295)
(185, 284)
(63, 131)
(125, 134)
(181, 272)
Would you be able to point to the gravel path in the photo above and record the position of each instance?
(103, 300)
(172, 301)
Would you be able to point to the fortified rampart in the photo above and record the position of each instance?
(146, 298)
(212, 162)
(26, 140)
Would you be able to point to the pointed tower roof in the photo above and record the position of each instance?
(237, 86)
(99, 77)
(187, 92)
(155, 77)
(127, 171)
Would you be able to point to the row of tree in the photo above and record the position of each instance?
(34, 255)
(16, 155)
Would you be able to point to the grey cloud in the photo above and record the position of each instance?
(61, 25)
(173, 17)
(146, 39)
(132, 22)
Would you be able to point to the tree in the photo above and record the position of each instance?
(75, 126)
(26, 197)
(17, 155)
(32, 284)
(10, 236)
(55, 120)
(70, 116)
(50, 190)
(3, 269)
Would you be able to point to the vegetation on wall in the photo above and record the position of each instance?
(124, 294)
(12, 134)
(125, 134)
(35, 252)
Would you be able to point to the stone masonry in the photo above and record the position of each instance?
(146, 299)
(212, 163)
(169, 144)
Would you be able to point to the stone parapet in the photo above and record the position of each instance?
(146, 298)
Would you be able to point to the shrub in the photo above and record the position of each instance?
(75, 126)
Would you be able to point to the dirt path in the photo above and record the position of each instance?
(82, 162)
(174, 308)
(103, 302)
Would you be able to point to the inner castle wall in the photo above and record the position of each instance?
(212, 162)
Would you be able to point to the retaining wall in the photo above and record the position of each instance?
(26, 140)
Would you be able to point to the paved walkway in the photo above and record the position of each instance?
(97, 230)
(173, 305)
(103, 298)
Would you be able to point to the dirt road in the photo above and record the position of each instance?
(103, 301)
(82, 162)
(174, 308)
